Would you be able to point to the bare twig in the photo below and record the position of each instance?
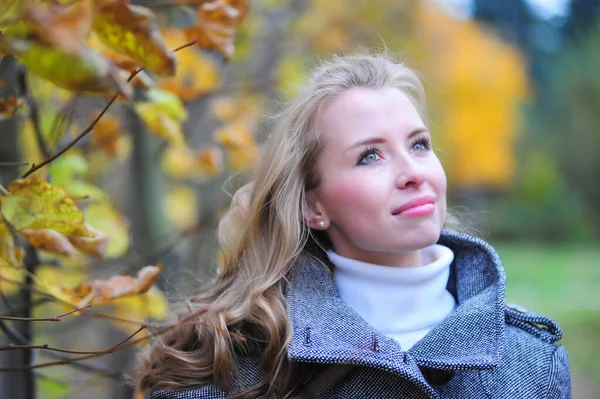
(15, 336)
(57, 318)
(81, 135)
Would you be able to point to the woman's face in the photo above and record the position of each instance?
(382, 191)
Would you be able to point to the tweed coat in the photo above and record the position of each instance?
(485, 348)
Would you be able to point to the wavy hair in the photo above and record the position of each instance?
(263, 235)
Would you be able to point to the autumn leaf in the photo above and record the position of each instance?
(196, 74)
(8, 106)
(132, 30)
(9, 253)
(51, 241)
(234, 135)
(96, 246)
(181, 162)
(12, 273)
(106, 134)
(104, 217)
(50, 42)
(241, 159)
(62, 27)
(181, 205)
(216, 25)
(119, 286)
(35, 204)
(209, 161)
(163, 113)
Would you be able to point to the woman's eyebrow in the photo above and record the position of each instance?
(380, 140)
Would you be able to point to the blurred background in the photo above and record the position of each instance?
(513, 91)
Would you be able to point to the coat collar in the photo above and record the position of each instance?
(326, 330)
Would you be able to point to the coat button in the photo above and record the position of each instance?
(435, 376)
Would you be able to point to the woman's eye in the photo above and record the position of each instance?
(368, 157)
(421, 145)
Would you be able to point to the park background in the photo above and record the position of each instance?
(514, 106)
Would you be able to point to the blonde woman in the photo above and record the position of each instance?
(341, 280)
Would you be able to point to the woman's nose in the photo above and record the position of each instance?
(409, 174)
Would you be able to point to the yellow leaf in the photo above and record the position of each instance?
(103, 216)
(216, 24)
(241, 159)
(151, 304)
(10, 273)
(196, 74)
(50, 240)
(35, 204)
(9, 254)
(160, 124)
(209, 161)
(179, 161)
(163, 114)
(181, 205)
(243, 109)
(132, 30)
(235, 136)
(85, 71)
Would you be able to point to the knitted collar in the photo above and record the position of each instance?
(326, 330)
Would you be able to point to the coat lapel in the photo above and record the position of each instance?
(326, 330)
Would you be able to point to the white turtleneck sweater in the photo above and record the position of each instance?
(403, 303)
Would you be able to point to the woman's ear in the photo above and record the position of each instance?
(315, 215)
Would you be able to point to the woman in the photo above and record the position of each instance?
(340, 280)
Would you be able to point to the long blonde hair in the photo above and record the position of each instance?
(263, 235)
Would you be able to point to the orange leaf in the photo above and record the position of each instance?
(216, 25)
(209, 161)
(8, 106)
(234, 135)
(51, 241)
(120, 286)
(64, 27)
(106, 134)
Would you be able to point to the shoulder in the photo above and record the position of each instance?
(533, 363)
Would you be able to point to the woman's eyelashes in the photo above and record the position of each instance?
(373, 154)
(369, 155)
(421, 144)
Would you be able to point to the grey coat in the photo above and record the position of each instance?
(484, 349)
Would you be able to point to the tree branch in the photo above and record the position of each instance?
(81, 135)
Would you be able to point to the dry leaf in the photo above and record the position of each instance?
(51, 241)
(8, 106)
(95, 246)
(119, 286)
(216, 24)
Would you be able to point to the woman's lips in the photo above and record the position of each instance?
(416, 207)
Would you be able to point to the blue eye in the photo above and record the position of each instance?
(370, 155)
(421, 145)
